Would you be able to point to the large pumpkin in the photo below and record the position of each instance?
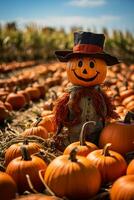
(123, 188)
(110, 163)
(86, 71)
(120, 134)
(84, 147)
(19, 167)
(72, 176)
(8, 187)
(14, 150)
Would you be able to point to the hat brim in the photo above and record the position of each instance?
(64, 56)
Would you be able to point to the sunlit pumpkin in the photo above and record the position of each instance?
(72, 176)
(14, 150)
(84, 147)
(110, 163)
(123, 188)
(120, 134)
(36, 130)
(19, 167)
(86, 71)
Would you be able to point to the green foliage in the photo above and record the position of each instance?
(40, 43)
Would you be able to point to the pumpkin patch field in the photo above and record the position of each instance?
(39, 161)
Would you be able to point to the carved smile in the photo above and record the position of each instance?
(85, 79)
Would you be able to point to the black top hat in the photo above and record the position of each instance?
(87, 44)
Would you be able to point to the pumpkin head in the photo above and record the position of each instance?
(110, 163)
(14, 150)
(19, 167)
(8, 187)
(123, 188)
(86, 71)
(72, 176)
(120, 134)
(84, 147)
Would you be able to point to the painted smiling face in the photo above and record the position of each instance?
(86, 71)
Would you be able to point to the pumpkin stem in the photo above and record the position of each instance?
(83, 132)
(44, 183)
(128, 117)
(25, 154)
(38, 120)
(30, 184)
(25, 141)
(105, 151)
(72, 155)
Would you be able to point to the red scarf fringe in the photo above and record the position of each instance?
(99, 98)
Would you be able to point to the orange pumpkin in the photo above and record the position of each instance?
(34, 93)
(84, 147)
(120, 134)
(130, 168)
(8, 187)
(72, 176)
(19, 167)
(48, 123)
(14, 150)
(86, 71)
(123, 188)
(25, 94)
(37, 130)
(110, 163)
(16, 100)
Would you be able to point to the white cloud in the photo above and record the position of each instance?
(69, 21)
(87, 3)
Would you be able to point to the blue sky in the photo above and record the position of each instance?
(117, 14)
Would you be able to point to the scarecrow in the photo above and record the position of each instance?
(84, 99)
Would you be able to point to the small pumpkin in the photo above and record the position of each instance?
(19, 167)
(110, 163)
(120, 134)
(123, 188)
(16, 100)
(34, 93)
(130, 168)
(41, 88)
(37, 130)
(84, 147)
(86, 71)
(48, 123)
(72, 176)
(8, 187)
(26, 95)
(14, 150)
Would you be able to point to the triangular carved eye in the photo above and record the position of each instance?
(91, 64)
(80, 63)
